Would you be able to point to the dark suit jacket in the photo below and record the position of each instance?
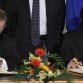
(55, 12)
(8, 51)
(72, 46)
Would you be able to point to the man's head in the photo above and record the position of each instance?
(3, 19)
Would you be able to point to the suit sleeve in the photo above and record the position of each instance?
(14, 60)
(61, 16)
(66, 51)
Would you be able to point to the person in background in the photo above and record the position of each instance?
(73, 14)
(7, 6)
(8, 46)
(72, 46)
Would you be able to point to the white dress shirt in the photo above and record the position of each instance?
(43, 29)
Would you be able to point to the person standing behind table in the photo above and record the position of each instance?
(73, 14)
(52, 18)
(7, 45)
(72, 46)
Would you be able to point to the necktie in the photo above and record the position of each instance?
(35, 23)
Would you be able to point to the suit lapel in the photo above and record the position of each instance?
(27, 8)
(48, 7)
(47, 1)
(26, 5)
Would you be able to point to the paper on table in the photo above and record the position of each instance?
(79, 69)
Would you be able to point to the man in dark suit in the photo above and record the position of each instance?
(72, 46)
(7, 45)
(52, 18)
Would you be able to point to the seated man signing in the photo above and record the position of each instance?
(7, 45)
(72, 46)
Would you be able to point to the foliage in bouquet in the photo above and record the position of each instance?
(42, 65)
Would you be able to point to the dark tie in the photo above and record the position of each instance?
(35, 22)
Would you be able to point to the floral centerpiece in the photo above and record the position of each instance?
(42, 66)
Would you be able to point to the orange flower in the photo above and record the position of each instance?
(35, 62)
(40, 66)
(31, 71)
(39, 52)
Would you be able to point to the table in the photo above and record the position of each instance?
(10, 79)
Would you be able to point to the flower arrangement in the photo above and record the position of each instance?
(42, 66)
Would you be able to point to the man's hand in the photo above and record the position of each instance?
(74, 63)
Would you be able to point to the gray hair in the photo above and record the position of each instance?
(3, 15)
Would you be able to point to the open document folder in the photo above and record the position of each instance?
(79, 69)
